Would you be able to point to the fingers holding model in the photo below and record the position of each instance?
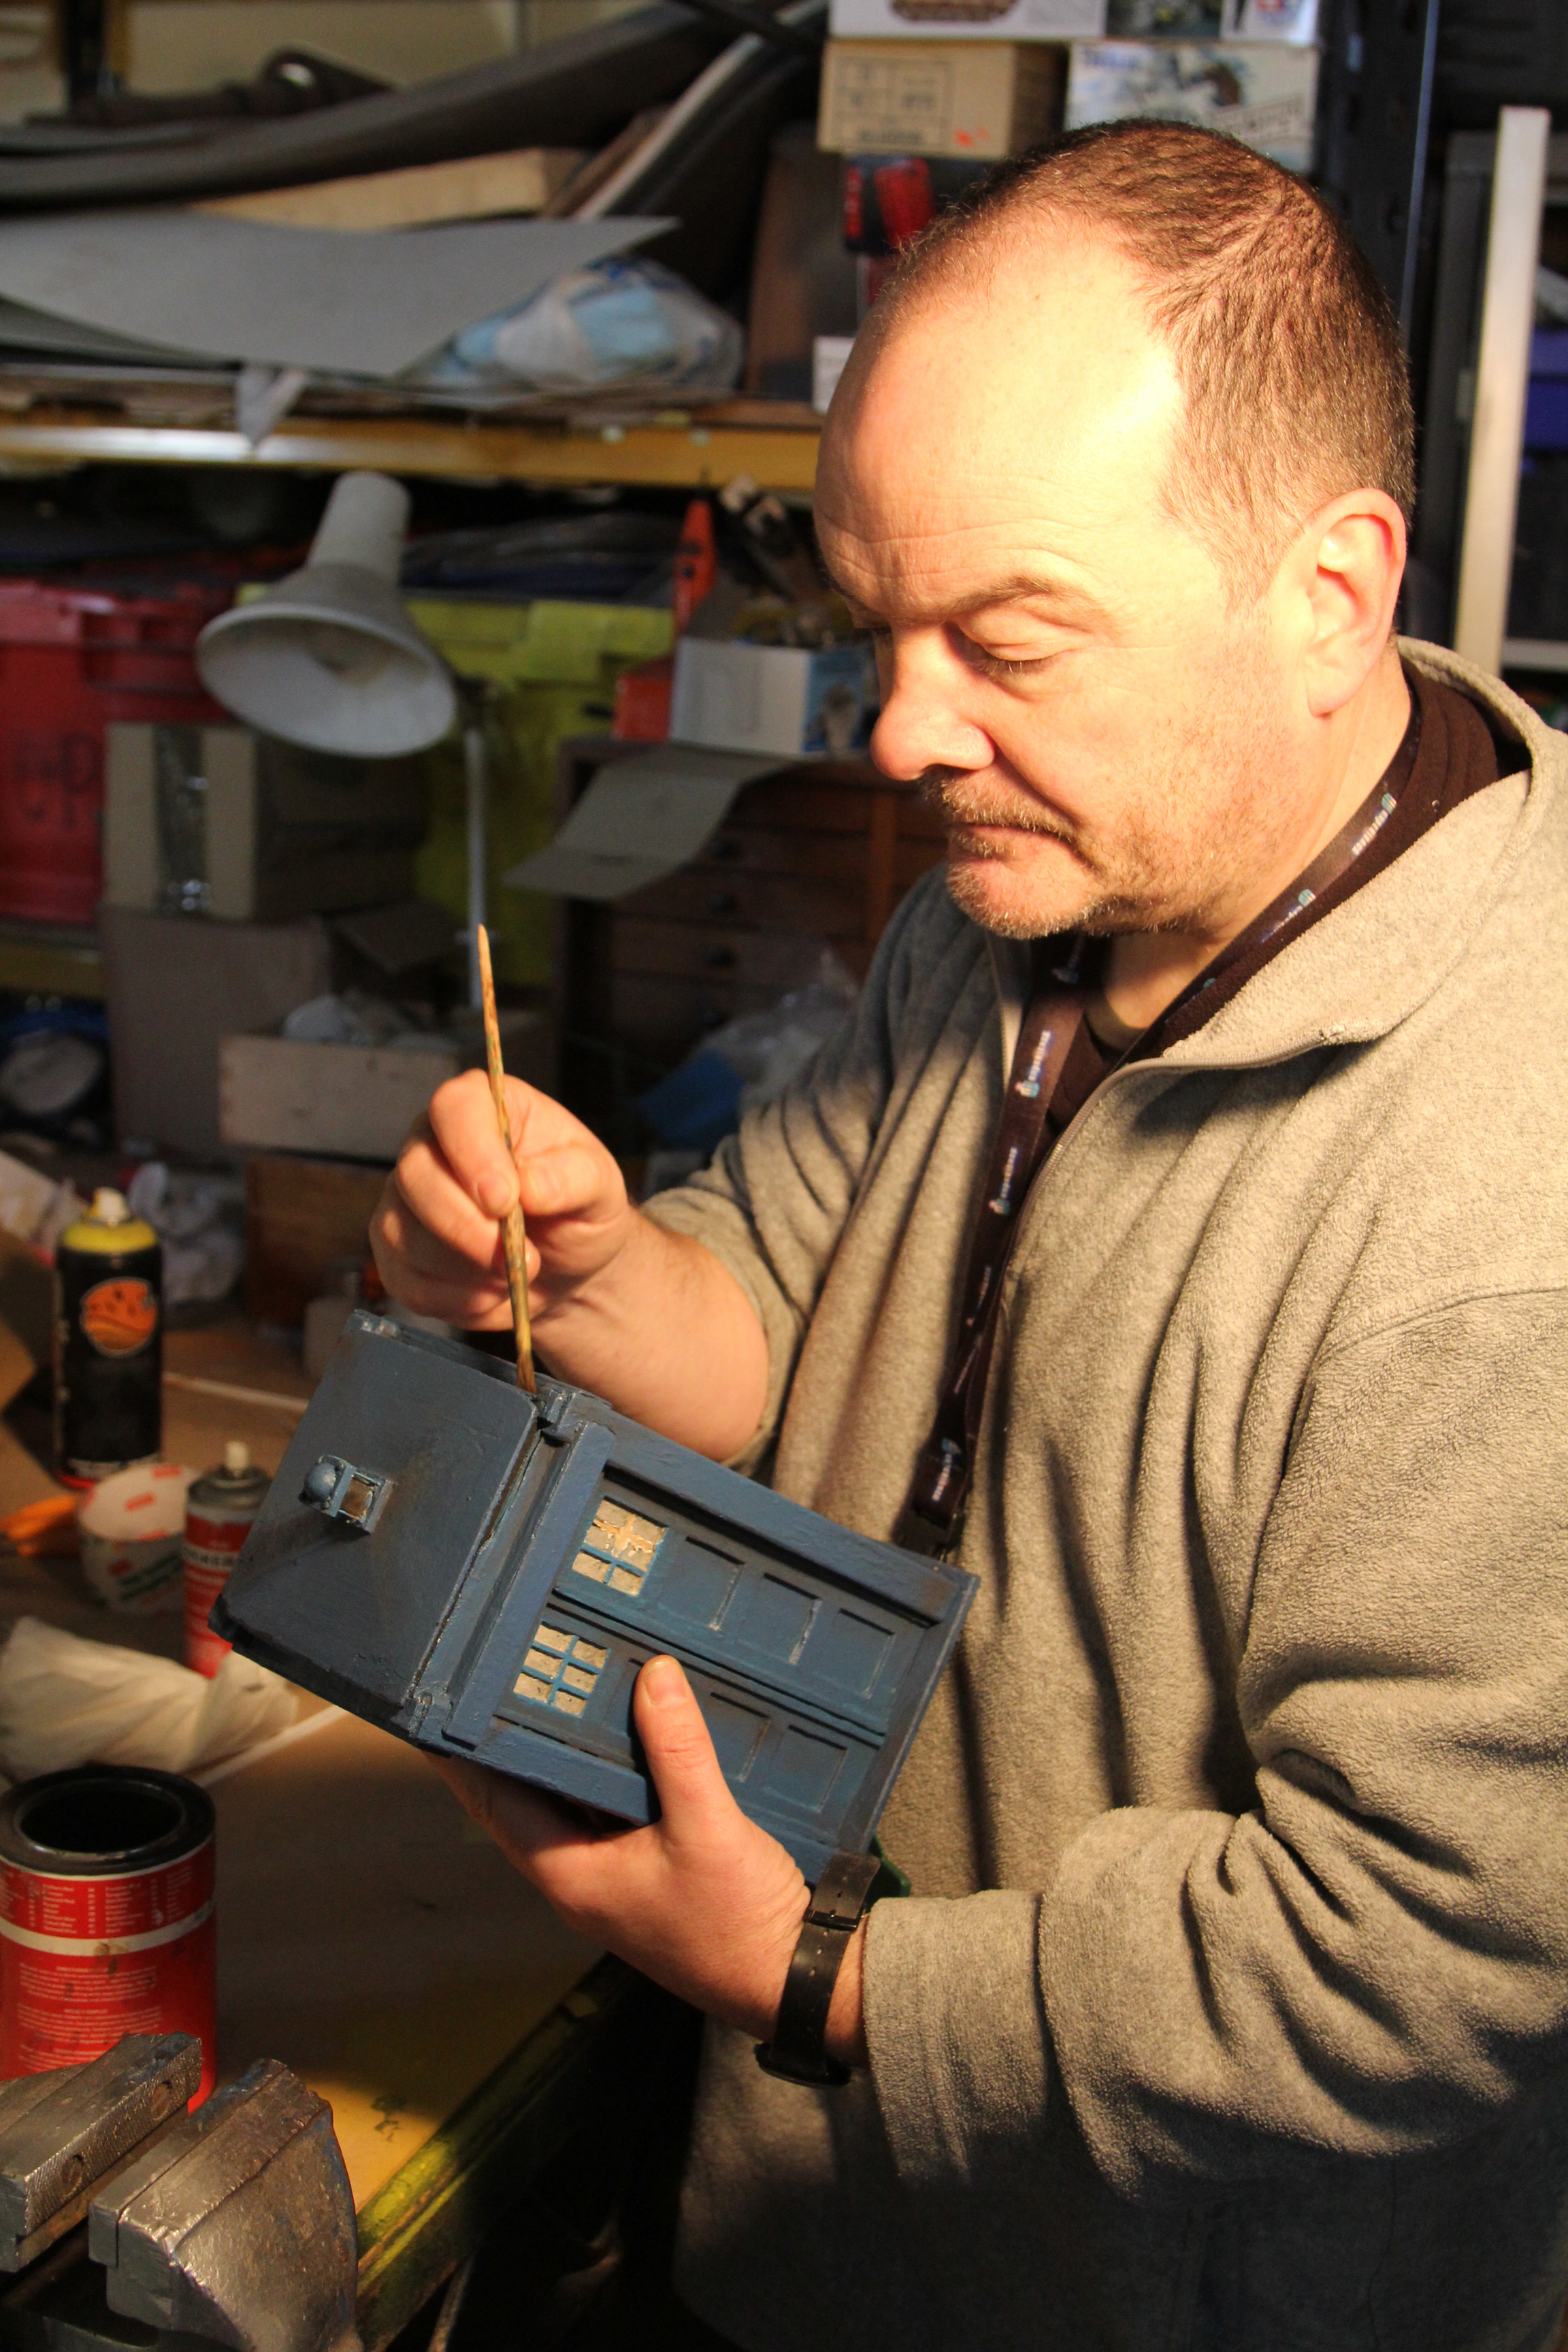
(702, 1900)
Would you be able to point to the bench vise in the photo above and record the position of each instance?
(129, 2223)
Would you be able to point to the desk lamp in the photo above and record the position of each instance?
(330, 659)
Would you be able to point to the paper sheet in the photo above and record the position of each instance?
(370, 303)
(641, 818)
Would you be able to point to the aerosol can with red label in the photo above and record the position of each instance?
(219, 1509)
(109, 1343)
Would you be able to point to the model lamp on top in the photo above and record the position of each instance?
(486, 1572)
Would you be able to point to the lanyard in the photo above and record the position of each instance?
(1030, 1119)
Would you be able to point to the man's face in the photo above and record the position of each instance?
(1113, 741)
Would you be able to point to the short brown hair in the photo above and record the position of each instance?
(1286, 348)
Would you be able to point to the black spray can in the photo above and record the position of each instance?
(109, 1343)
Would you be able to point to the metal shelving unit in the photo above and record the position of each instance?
(1495, 191)
(774, 443)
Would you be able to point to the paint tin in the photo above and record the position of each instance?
(109, 1343)
(106, 1915)
(219, 1510)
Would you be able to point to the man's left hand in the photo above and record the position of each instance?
(702, 1900)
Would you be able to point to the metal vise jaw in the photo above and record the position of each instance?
(239, 2226)
(64, 2134)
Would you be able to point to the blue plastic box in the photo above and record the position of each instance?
(485, 1574)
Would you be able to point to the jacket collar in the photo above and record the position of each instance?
(1368, 964)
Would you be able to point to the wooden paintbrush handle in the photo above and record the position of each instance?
(513, 1233)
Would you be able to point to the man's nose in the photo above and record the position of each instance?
(923, 722)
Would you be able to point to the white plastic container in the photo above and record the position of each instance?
(133, 1528)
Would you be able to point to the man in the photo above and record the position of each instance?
(1231, 2006)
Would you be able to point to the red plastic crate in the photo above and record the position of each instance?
(70, 660)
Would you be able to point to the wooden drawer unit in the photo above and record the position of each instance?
(752, 901)
(815, 855)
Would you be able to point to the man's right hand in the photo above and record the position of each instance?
(645, 1318)
(436, 1234)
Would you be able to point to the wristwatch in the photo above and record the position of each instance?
(798, 2051)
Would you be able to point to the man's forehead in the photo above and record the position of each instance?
(944, 568)
(999, 433)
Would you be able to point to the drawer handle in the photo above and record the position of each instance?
(722, 902)
(719, 959)
(724, 846)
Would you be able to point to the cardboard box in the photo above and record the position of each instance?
(175, 984)
(218, 821)
(804, 283)
(180, 45)
(737, 697)
(1263, 93)
(986, 99)
(967, 20)
(31, 81)
(281, 1094)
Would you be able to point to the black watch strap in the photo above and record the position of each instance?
(798, 2051)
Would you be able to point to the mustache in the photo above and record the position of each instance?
(958, 800)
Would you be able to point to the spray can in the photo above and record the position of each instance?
(106, 1916)
(219, 1509)
(109, 1343)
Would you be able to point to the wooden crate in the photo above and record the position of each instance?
(284, 1094)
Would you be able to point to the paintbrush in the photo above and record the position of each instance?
(512, 1232)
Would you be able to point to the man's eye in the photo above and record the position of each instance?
(1000, 665)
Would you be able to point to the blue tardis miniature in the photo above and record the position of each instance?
(484, 1573)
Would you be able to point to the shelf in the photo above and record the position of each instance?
(700, 452)
(43, 960)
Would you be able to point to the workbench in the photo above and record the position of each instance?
(372, 1937)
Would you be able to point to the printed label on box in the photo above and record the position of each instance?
(983, 20)
(1263, 94)
(901, 104)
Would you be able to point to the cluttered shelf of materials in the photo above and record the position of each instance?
(774, 441)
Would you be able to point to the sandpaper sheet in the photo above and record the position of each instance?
(370, 303)
(641, 818)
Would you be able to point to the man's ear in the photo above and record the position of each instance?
(1341, 577)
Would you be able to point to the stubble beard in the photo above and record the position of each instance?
(1207, 820)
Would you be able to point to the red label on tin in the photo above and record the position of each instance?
(84, 1960)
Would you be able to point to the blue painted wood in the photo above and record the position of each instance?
(573, 1480)
(528, 1560)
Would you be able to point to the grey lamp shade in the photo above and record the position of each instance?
(329, 658)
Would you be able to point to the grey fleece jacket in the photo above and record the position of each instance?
(1231, 2007)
